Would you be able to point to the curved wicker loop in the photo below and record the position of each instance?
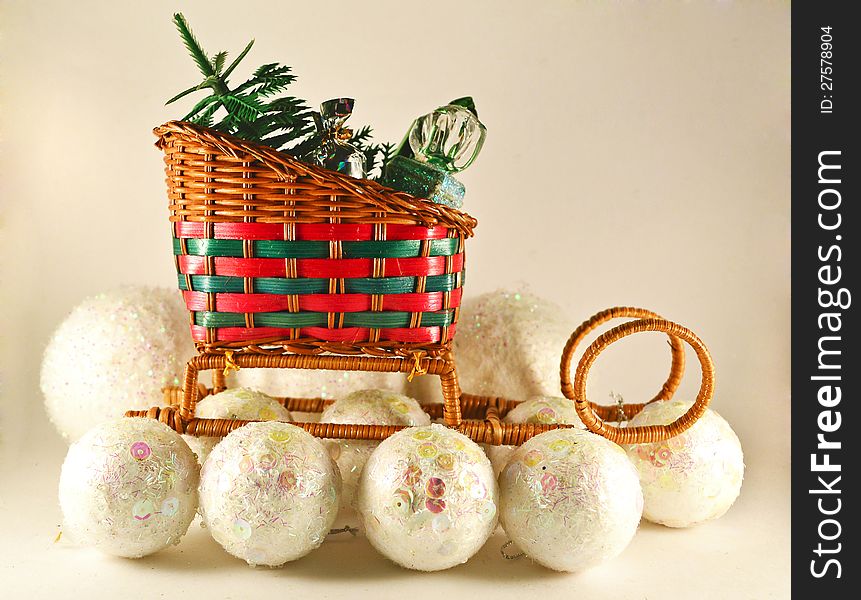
(650, 433)
(611, 413)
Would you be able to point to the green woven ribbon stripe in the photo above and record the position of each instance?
(358, 285)
(312, 249)
(377, 320)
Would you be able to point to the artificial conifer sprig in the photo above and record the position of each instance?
(376, 155)
(252, 111)
(249, 110)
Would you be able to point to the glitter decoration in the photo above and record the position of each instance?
(507, 344)
(113, 353)
(692, 477)
(421, 514)
(309, 383)
(237, 403)
(543, 410)
(269, 493)
(364, 407)
(128, 487)
(570, 499)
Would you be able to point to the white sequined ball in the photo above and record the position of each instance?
(427, 497)
(570, 499)
(237, 403)
(113, 353)
(128, 487)
(692, 477)
(364, 407)
(269, 493)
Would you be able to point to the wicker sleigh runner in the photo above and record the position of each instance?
(286, 265)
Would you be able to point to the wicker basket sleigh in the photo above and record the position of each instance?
(290, 266)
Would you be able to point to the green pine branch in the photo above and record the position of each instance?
(255, 110)
(218, 62)
(193, 46)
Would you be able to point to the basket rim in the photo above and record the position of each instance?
(381, 197)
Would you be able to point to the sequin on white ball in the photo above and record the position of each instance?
(427, 497)
(543, 410)
(570, 499)
(692, 477)
(365, 407)
(269, 493)
(508, 344)
(113, 353)
(128, 487)
(238, 403)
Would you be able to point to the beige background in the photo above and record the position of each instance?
(638, 153)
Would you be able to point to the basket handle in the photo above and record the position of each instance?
(594, 416)
(677, 352)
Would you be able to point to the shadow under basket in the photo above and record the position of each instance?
(290, 266)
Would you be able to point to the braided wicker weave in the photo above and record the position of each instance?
(289, 266)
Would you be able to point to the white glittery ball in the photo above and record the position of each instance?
(128, 487)
(237, 403)
(544, 410)
(375, 407)
(365, 407)
(310, 383)
(427, 497)
(113, 353)
(509, 344)
(269, 493)
(570, 499)
(692, 477)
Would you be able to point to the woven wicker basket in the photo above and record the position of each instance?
(271, 251)
(286, 265)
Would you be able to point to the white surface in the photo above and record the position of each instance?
(638, 153)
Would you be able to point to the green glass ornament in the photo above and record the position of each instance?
(437, 145)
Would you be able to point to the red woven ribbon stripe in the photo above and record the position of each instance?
(327, 268)
(344, 232)
(262, 303)
(346, 335)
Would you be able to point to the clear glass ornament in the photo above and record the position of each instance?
(437, 145)
(449, 138)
